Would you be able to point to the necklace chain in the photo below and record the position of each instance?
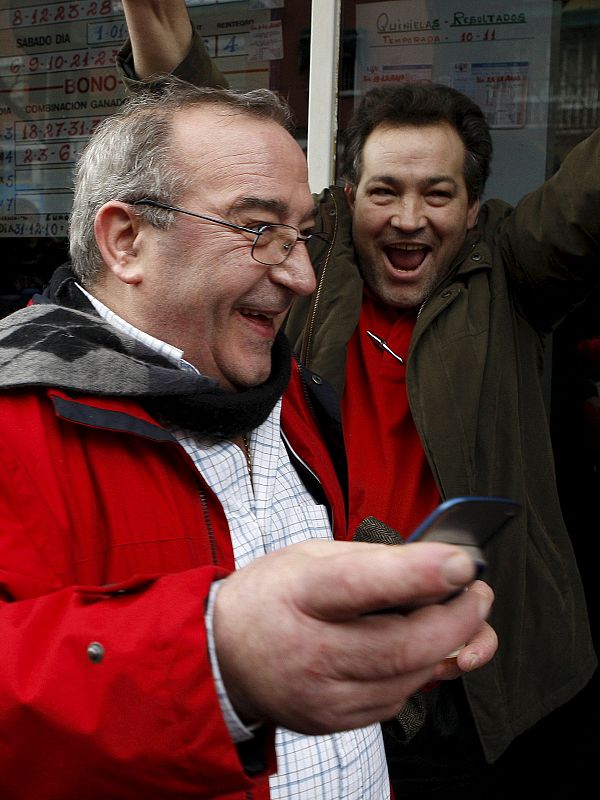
(247, 453)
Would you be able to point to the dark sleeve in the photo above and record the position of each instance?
(196, 67)
(551, 241)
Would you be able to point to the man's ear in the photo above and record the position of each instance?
(472, 214)
(117, 228)
(349, 192)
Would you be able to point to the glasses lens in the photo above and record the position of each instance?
(274, 244)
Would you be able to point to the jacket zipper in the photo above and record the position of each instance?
(310, 322)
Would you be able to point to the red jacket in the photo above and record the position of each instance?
(109, 535)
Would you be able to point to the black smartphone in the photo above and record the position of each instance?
(468, 522)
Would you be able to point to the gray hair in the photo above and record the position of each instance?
(129, 157)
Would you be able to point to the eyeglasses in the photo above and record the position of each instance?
(272, 244)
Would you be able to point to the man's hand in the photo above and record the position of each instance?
(160, 34)
(297, 645)
(477, 652)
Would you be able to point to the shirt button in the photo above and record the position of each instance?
(476, 257)
(317, 379)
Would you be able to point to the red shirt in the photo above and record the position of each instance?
(389, 475)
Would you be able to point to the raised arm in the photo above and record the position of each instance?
(161, 40)
(551, 241)
(160, 34)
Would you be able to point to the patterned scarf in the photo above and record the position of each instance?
(61, 342)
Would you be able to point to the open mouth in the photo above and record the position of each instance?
(406, 257)
(261, 321)
(257, 315)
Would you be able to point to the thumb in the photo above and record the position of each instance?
(359, 578)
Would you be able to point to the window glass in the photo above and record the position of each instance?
(58, 80)
(531, 65)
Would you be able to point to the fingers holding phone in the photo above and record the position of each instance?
(300, 617)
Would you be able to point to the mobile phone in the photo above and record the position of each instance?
(468, 522)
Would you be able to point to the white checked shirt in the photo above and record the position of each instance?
(272, 511)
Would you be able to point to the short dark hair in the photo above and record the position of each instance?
(419, 103)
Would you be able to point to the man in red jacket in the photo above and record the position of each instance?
(176, 620)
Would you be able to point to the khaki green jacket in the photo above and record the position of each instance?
(475, 387)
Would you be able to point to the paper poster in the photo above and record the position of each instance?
(499, 88)
(495, 51)
(484, 49)
(58, 81)
(265, 42)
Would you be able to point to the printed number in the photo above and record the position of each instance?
(231, 45)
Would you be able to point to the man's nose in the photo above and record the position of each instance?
(296, 273)
(408, 214)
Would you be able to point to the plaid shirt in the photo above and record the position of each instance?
(266, 511)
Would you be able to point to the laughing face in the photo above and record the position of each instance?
(411, 210)
(204, 293)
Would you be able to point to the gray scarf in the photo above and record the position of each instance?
(52, 345)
